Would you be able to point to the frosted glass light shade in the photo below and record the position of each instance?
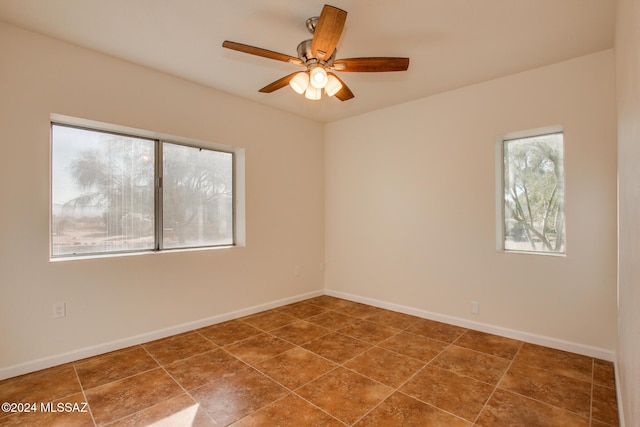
(318, 77)
(300, 82)
(313, 93)
(333, 85)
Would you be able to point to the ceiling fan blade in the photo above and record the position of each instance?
(344, 94)
(278, 84)
(252, 50)
(372, 65)
(328, 31)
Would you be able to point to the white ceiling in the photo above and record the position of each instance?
(451, 43)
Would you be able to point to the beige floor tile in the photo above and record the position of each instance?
(203, 368)
(416, 346)
(604, 373)
(436, 330)
(394, 319)
(402, 410)
(115, 400)
(290, 411)
(332, 320)
(549, 387)
(114, 366)
(181, 410)
(558, 361)
(327, 302)
(168, 350)
(344, 394)
(237, 395)
(258, 348)
(385, 366)
(480, 366)
(295, 367)
(300, 332)
(302, 310)
(604, 405)
(229, 332)
(461, 396)
(510, 409)
(491, 344)
(337, 347)
(42, 386)
(361, 311)
(268, 320)
(368, 331)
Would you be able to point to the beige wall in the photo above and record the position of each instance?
(410, 206)
(114, 299)
(628, 90)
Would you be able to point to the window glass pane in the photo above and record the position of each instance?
(197, 197)
(102, 192)
(534, 194)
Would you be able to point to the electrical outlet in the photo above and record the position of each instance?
(59, 310)
(297, 271)
(475, 307)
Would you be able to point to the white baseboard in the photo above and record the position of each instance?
(50, 361)
(572, 347)
(71, 356)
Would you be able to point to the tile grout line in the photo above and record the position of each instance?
(342, 365)
(294, 392)
(338, 364)
(255, 368)
(84, 394)
(160, 366)
(547, 403)
(246, 366)
(397, 389)
(119, 379)
(421, 369)
(393, 390)
(289, 390)
(125, 377)
(530, 397)
(498, 383)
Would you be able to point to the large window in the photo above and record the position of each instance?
(114, 193)
(533, 194)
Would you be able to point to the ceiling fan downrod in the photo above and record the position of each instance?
(312, 23)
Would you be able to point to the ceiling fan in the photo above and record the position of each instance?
(318, 55)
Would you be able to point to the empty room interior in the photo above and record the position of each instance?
(444, 231)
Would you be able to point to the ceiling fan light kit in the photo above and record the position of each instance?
(333, 85)
(300, 82)
(313, 93)
(318, 77)
(318, 55)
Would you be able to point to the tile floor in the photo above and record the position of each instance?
(323, 362)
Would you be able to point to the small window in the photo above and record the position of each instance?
(116, 193)
(197, 197)
(533, 194)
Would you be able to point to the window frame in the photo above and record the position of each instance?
(500, 183)
(160, 200)
(158, 139)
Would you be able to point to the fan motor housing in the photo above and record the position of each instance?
(306, 56)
